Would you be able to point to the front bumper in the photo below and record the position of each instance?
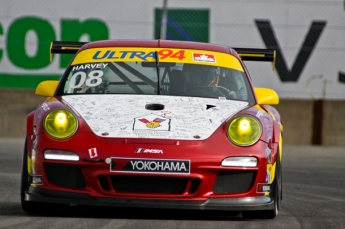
(230, 204)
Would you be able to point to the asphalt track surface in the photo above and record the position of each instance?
(313, 184)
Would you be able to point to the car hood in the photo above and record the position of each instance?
(153, 116)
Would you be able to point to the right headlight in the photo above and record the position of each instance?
(244, 130)
(60, 124)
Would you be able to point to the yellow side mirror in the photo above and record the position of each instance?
(266, 96)
(47, 88)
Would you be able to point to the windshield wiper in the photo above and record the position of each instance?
(159, 83)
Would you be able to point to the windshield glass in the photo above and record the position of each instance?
(117, 71)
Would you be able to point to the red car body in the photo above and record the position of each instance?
(159, 171)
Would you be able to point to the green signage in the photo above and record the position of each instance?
(16, 42)
(70, 30)
(185, 25)
(190, 25)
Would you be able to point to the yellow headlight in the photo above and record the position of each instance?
(60, 124)
(244, 130)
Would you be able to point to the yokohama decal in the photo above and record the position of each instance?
(137, 165)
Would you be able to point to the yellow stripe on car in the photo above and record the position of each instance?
(138, 54)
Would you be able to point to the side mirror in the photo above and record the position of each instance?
(47, 88)
(266, 96)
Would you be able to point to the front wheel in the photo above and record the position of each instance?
(277, 194)
(29, 207)
(32, 207)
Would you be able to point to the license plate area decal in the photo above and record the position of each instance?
(145, 165)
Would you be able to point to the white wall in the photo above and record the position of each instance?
(231, 23)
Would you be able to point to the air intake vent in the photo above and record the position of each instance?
(67, 176)
(234, 182)
(149, 185)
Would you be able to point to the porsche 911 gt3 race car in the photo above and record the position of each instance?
(155, 124)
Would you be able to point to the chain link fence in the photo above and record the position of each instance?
(308, 35)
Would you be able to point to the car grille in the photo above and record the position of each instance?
(234, 182)
(148, 185)
(67, 176)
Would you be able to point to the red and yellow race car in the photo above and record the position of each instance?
(155, 124)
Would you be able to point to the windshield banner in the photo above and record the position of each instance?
(138, 54)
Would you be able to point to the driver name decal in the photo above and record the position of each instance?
(89, 66)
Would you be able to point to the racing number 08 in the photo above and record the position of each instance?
(93, 80)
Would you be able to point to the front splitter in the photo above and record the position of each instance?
(229, 204)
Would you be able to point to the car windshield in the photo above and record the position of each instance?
(162, 76)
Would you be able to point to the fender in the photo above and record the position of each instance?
(29, 123)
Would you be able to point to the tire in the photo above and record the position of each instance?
(29, 207)
(32, 207)
(277, 193)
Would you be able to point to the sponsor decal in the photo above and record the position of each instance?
(45, 107)
(262, 188)
(138, 54)
(166, 113)
(199, 57)
(141, 165)
(268, 177)
(37, 179)
(151, 122)
(270, 173)
(269, 155)
(143, 54)
(93, 152)
(259, 114)
(143, 150)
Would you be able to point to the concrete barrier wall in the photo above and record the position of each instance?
(334, 123)
(15, 105)
(297, 121)
(297, 116)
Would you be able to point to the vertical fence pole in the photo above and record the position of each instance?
(164, 20)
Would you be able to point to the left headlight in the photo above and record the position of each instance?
(244, 130)
(60, 124)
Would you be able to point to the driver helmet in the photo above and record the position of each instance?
(201, 75)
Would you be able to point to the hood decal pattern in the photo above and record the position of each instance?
(125, 116)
